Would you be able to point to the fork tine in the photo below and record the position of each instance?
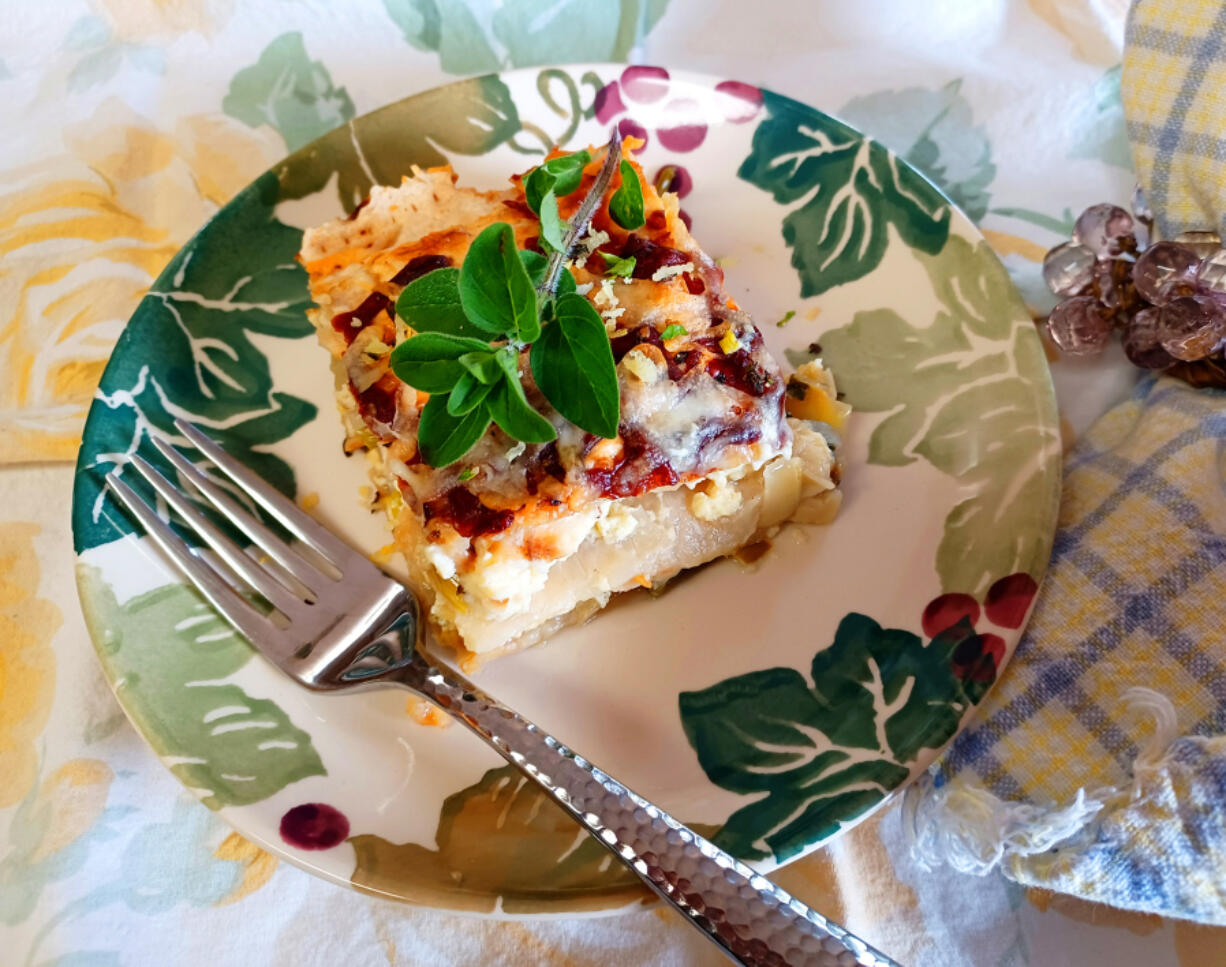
(310, 576)
(219, 594)
(273, 501)
(251, 572)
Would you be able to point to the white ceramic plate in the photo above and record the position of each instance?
(771, 707)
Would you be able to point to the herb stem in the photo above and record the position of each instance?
(579, 224)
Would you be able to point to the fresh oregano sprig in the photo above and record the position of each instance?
(473, 322)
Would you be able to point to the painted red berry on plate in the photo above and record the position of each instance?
(1009, 599)
(631, 128)
(608, 103)
(977, 657)
(314, 825)
(947, 610)
(644, 84)
(687, 129)
(740, 102)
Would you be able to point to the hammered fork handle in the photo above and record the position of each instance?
(752, 919)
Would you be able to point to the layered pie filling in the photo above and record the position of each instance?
(514, 540)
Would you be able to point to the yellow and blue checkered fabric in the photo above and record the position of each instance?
(1133, 599)
(1098, 766)
(1173, 88)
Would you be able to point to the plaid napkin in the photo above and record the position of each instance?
(1174, 93)
(1098, 766)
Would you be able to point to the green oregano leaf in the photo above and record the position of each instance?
(468, 394)
(432, 304)
(512, 411)
(572, 363)
(443, 438)
(673, 331)
(482, 365)
(495, 289)
(552, 227)
(626, 205)
(562, 175)
(430, 361)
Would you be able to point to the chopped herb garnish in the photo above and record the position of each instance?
(626, 205)
(467, 474)
(787, 317)
(472, 323)
(618, 266)
(815, 349)
(674, 331)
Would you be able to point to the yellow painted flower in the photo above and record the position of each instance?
(258, 866)
(27, 663)
(162, 21)
(1095, 29)
(82, 237)
(70, 801)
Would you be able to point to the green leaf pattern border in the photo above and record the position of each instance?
(251, 414)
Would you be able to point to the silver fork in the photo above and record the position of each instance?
(358, 628)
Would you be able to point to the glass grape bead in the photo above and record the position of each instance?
(1142, 340)
(1192, 327)
(1165, 271)
(1068, 268)
(1100, 227)
(1211, 277)
(1080, 326)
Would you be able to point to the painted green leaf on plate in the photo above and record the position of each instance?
(168, 654)
(845, 192)
(499, 841)
(815, 753)
(234, 282)
(288, 91)
(963, 392)
(468, 117)
(501, 837)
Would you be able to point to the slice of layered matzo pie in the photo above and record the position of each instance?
(514, 540)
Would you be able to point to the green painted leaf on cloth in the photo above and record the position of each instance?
(467, 117)
(499, 841)
(844, 190)
(817, 752)
(934, 130)
(290, 92)
(524, 33)
(448, 28)
(234, 281)
(169, 654)
(1101, 126)
(963, 392)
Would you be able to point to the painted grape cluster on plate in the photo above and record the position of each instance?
(770, 706)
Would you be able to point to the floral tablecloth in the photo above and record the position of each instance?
(129, 122)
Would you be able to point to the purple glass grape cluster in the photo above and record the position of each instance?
(1166, 298)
